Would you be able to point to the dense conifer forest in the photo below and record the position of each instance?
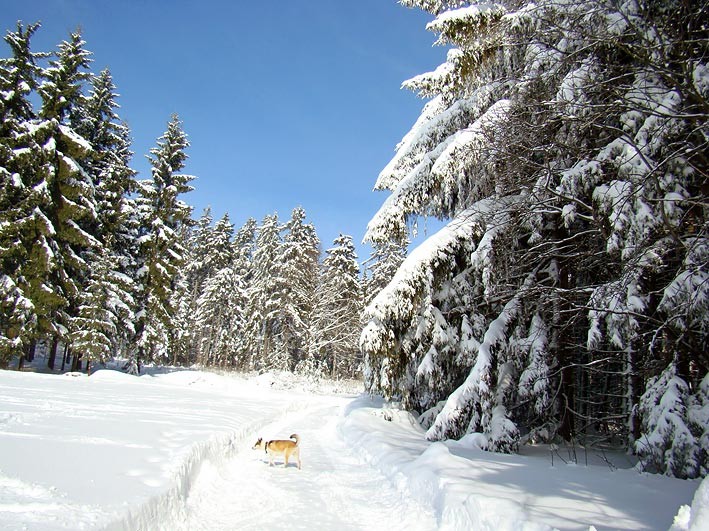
(100, 264)
(565, 143)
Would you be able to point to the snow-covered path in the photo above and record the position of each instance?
(334, 490)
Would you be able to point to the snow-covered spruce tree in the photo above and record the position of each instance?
(671, 440)
(215, 306)
(243, 249)
(195, 272)
(338, 310)
(68, 203)
(17, 318)
(266, 346)
(564, 141)
(197, 267)
(387, 256)
(438, 336)
(163, 215)
(18, 77)
(631, 171)
(105, 307)
(116, 222)
(209, 248)
(300, 268)
(215, 319)
(98, 122)
(182, 342)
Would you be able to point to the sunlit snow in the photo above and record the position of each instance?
(172, 450)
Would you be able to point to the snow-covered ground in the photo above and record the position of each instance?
(172, 450)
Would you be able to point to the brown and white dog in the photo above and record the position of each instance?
(280, 447)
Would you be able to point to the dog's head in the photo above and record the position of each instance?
(258, 444)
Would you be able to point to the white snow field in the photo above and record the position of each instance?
(172, 451)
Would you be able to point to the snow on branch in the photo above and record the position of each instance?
(479, 387)
(457, 23)
(437, 176)
(437, 121)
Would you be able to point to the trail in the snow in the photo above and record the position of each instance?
(333, 490)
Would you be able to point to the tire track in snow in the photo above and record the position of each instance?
(334, 490)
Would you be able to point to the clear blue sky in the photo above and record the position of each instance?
(285, 103)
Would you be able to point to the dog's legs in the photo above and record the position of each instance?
(285, 456)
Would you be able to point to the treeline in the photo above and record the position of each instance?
(96, 263)
(568, 297)
(262, 298)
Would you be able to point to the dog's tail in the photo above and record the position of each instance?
(296, 437)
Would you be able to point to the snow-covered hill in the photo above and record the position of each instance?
(172, 450)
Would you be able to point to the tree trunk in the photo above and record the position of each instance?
(27, 356)
(65, 356)
(53, 354)
(76, 363)
(565, 353)
(31, 351)
(634, 391)
(566, 422)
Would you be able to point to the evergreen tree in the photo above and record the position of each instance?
(338, 309)
(214, 318)
(299, 259)
(386, 258)
(105, 308)
(59, 235)
(564, 144)
(163, 214)
(667, 444)
(116, 221)
(197, 267)
(98, 122)
(264, 328)
(17, 317)
(195, 273)
(243, 251)
(217, 318)
(19, 75)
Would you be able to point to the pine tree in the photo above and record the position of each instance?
(338, 308)
(217, 317)
(17, 317)
(59, 232)
(563, 143)
(19, 75)
(243, 251)
(163, 215)
(105, 306)
(197, 267)
(386, 258)
(264, 334)
(98, 122)
(444, 320)
(214, 317)
(299, 259)
(196, 272)
(115, 225)
(667, 444)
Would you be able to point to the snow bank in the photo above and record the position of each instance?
(696, 517)
(471, 489)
